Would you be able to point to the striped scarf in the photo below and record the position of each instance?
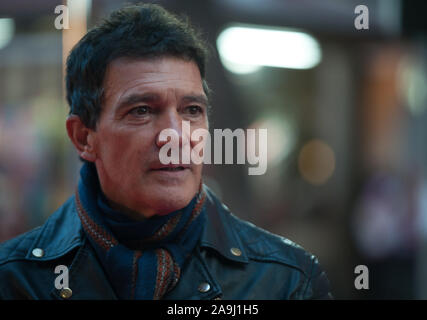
(142, 259)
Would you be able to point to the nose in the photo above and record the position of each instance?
(171, 119)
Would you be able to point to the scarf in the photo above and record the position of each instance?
(142, 259)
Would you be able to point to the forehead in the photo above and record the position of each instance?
(128, 75)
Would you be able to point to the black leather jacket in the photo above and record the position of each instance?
(234, 260)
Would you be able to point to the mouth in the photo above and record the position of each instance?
(171, 169)
(172, 173)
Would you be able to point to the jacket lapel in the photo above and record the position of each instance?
(87, 279)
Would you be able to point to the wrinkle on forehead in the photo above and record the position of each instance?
(171, 71)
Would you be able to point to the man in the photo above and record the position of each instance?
(137, 228)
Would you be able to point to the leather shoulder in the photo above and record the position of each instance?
(263, 245)
(58, 235)
(17, 248)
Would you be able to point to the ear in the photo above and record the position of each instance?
(82, 137)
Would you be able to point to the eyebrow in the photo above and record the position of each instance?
(137, 98)
(153, 97)
(202, 99)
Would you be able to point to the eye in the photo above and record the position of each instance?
(140, 111)
(194, 110)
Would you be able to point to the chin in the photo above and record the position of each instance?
(164, 205)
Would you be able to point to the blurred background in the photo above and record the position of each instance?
(345, 110)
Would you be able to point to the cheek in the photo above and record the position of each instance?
(201, 127)
(197, 172)
(123, 146)
(114, 147)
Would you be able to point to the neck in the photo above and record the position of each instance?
(134, 215)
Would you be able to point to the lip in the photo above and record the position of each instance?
(163, 167)
(167, 172)
(170, 171)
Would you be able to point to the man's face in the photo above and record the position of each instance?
(141, 98)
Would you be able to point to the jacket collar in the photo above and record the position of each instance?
(219, 233)
(63, 232)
